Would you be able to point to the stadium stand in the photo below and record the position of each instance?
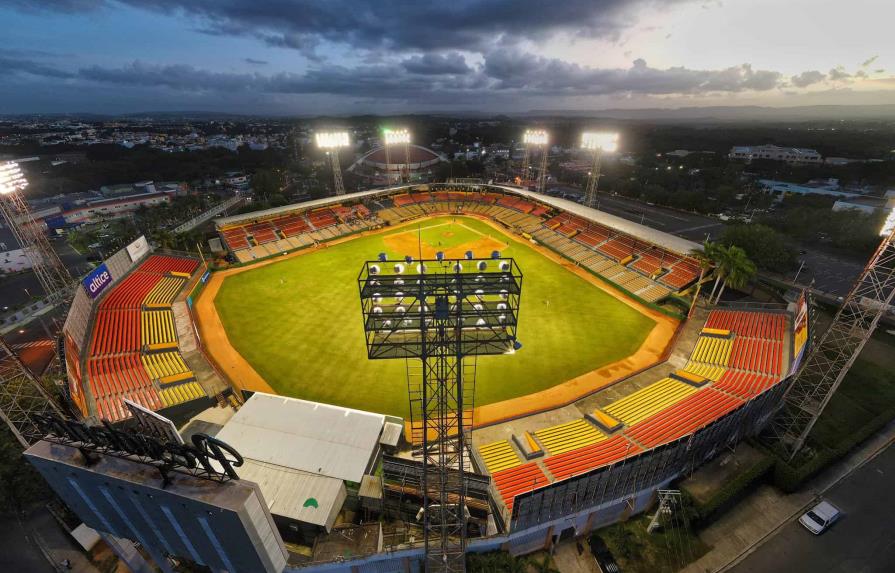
(499, 456)
(646, 270)
(520, 479)
(686, 416)
(133, 322)
(649, 400)
(584, 459)
(568, 436)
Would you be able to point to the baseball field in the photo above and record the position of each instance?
(296, 322)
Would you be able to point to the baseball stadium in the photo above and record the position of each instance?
(615, 384)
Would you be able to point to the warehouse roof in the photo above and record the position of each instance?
(296, 494)
(316, 438)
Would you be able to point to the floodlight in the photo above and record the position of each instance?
(332, 139)
(399, 268)
(396, 136)
(374, 269)
(600, 140)
(482, 265)
(11, 178)
(889, 225)
(535, 137)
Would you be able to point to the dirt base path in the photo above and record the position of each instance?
(653, 350)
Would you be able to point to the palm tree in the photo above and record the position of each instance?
(736, 268)
(707, 257)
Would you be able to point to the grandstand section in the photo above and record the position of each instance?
(641, 267)
(129, 339)
(713, 384)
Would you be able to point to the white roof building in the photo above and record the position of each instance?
(300, 453)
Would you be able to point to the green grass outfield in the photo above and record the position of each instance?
(298, 323)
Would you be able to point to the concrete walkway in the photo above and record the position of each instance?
(743, 529)
(568, 560)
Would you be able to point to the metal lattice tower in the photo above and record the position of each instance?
(526, 157)
(52, 274)
(21, 396)
(590, 196)
(443, 317)
(542, 172)
(337, 172)
(830, 359)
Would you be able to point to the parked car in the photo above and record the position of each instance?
(605, 562)
(819, 518)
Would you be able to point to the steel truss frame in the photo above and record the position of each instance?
(593, 180)
(833, 355)
(52, 274)
(21, 397)
(445, 311)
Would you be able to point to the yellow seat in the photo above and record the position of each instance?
(569, 436)
(649, 401)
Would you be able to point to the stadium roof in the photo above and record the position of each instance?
(419, 157)
(320, 439)
(296, 494)
(671, 242)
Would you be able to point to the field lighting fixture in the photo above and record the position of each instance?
(441, 311)
(50, 271)
(889, 224)
(599, 142)
(331, 142)
(536, 138)
(397, 137)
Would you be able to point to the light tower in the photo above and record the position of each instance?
(440, 312)
(331, 142)
(830, 359)
(50, 271)
(397, 137)
(21, 397)
(599, 142)
(534, 139)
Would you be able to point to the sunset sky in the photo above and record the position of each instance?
(388, 56)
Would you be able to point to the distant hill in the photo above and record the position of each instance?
(734, 113)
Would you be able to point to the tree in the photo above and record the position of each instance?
(735, 267)
(762, 244)
(707, 257)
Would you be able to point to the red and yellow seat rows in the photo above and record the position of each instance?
(133, 351)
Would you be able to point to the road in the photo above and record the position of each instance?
(830, 273)
(19, 289)
(862, 541)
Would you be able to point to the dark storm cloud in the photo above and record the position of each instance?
(526, 72)
(437, 64)
(12, 65)
(806, 79)
(401, 24)
(68, 6)
(504, 73)
(255, 62)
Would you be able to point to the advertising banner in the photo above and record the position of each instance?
(138, 248)
(97, 281)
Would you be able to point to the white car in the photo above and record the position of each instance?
(820, 517)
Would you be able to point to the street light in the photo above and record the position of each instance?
(11, 178)
(331, 142)
(397, 137)
(598, 142)
(536, 138)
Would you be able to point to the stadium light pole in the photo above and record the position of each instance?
(830, 359)
(398, 137)
(598, 142)
(439, 312)
(536, 138)
(331, 142)
(52, 274)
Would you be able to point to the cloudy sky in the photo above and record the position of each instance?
(392, 56)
